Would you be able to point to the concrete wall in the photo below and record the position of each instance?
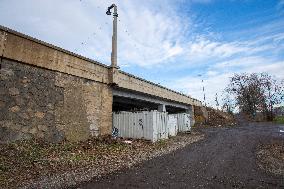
(31, 51)
(40, 103)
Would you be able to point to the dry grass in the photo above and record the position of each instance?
(37, 164)
(271, 158)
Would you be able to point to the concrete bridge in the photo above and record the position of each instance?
(50, 93)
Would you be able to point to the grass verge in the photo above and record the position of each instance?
(279, 119)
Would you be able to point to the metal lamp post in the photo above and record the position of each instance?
(114, 35)
(203, 90)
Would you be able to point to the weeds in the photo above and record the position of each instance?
(279, 119)
(24, 161)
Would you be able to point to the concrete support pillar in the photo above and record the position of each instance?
(190, 111)
(112, 72)
(162, 108)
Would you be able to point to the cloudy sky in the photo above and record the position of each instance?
(176, 43)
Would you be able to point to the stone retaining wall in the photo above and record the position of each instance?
(54, 106)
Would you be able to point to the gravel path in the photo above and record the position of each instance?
(226, 158)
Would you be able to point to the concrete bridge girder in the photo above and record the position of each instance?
(162, 105)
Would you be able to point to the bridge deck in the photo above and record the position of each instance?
(22, 48)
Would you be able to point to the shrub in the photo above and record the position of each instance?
(279, 119)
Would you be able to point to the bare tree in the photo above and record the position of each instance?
(256, 93)
(228, 104)
(273, 94)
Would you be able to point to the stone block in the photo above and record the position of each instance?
(42, 128)
(12, 125)
(25, 80)
(53, 106)
(24, 115)
(39, 115)
(2, 104)
(50, 106)
(19, 101)
(6, 73)
(14, 91)
(14, 109)
(40, 134)
(25, 129)
(33, 131)
(8, 135)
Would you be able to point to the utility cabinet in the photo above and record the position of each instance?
(149, 125)
(172, 124)
(183, 122)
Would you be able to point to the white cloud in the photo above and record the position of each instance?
(253, 64)
(241, 62)
(151, 33)
(147, 35)
(204, 48)
(273, 68)
(217, 76)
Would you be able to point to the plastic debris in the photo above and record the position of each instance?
(127, 142)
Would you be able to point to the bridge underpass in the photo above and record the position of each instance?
(126, 100)
(60, 90)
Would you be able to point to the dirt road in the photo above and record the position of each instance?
(225, 159)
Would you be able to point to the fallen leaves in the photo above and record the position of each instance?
(271, 157)
(36, 163)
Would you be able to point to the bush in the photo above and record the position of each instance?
(279, 119)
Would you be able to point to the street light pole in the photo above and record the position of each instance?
(114, 35)
(203, 90)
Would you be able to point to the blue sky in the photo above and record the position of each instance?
(176, 43)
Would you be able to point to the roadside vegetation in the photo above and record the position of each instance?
(248, 97)
(255, 95)
(271, 157)
(38, 164)
(210, 117)
(279, 119)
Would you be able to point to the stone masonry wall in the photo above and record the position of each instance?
(40, 103)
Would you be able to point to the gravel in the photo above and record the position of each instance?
(225, 158)
(271, 157)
